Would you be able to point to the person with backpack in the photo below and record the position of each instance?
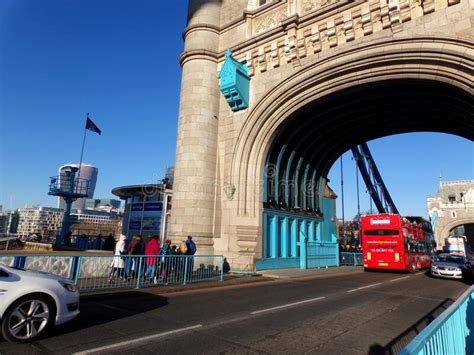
(165, 263)
(180, 259)
(191, 250)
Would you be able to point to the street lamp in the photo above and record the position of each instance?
(165, 213)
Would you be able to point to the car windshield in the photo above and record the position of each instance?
(450, 258)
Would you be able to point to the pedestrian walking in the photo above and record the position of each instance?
(151, 250)
(165, 253)
(191, 250)
(67, 239)
(134, 248)
(118, 263)
(109, 243)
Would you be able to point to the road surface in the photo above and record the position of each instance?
(358, 313)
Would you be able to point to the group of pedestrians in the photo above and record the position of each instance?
(160, 261)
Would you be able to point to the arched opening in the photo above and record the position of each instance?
(466, 230)
(298, 205)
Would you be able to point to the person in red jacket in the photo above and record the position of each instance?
(152, 248)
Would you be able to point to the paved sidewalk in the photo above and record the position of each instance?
(297, 273)
(233, 280)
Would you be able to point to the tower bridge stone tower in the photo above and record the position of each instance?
(452, 206)
(336, 72)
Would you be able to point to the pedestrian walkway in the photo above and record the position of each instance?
(232, 280)
(297, 273)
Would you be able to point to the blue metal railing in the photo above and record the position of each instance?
(100, 272)
(353, 259)
(451, 333)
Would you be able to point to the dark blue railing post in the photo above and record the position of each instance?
(75, 267)
(19, 262)
(186, 259)
(78, 270)
(139, 274)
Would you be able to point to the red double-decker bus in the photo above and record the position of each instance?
(393, 242)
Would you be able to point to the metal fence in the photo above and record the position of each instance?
(353, 259)
(99, 272)
(451, 333)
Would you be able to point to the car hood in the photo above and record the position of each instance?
(35, 274)
(446, 264)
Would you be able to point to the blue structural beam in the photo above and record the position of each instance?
(235, 83)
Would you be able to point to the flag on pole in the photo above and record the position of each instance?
(92, 127)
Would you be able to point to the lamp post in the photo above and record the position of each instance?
(342, 203)
(164, 216)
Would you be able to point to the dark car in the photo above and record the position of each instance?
(451, 266)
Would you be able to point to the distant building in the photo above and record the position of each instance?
(93, 223)
(97, 203)
(3, 223)
(1, 208)
(44, 221)
(13, 220)
(452, 210)
(86, 172)
(146, 209)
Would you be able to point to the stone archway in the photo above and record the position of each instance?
(438, 60)
(444, 232)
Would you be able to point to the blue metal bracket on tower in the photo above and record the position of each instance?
(235, 83)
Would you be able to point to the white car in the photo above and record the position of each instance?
(32, 302)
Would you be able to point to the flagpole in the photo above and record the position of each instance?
(82, 151)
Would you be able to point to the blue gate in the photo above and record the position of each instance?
(293, 240)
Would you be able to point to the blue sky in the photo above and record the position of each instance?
(118, 60)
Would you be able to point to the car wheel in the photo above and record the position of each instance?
(28, 318)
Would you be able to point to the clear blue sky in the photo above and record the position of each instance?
(60, 59)
(118, 60)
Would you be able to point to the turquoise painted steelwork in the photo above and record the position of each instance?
(327, 231)
(287, 177)
(284, 242)
(322, 254)
(452, 332)
(235, 83)
(280, 263)
(290, 241)
(303, 236)
(95, 272)
(294, 237)
(296, 177)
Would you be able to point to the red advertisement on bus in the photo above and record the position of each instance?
(393, 242)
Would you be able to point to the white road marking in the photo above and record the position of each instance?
(135, 341)
(288, 305)
(400, 278)
(361, 288)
